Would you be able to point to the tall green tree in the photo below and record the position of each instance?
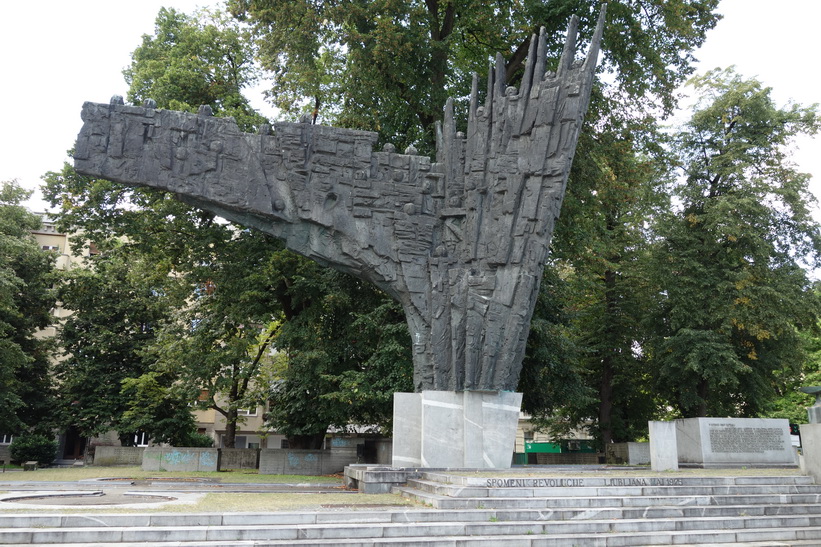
(26, 300)
(117, 305)
(347, 351)
(730, 264)
(604, 253)
(193, 60)
(221, 338)
(238, 286)
(390, 66)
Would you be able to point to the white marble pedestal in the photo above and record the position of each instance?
(455, 429)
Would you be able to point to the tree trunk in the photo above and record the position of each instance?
(606, 402)
(229, 440)
(607, 370)
(703, 391)
(307, 442)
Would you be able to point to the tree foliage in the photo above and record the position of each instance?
(347, 351)
(390, 66)
(616, 185)
(733, 292)
(40, 448)
(232, 295)
(117, 307)
(26, 299)
(193, 60)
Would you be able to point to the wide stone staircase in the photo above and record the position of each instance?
(526, 508)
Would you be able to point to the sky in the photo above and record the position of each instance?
(65, 53)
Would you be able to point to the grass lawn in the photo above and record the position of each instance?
(67, 474)
(216, 502)
(249, 503)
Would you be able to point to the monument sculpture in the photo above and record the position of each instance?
(460, 242)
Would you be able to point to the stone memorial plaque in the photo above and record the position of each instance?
(720, 442)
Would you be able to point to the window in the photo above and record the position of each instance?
(247, 412)
(6, 439)
(51, 248)
(141, 438)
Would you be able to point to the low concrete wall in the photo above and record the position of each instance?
(118, 455)
(628, 453)
(239, 458)
(180, 459)
(567, 458)
(305, 462)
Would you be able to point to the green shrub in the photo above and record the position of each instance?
(197, 440)
(31, 447)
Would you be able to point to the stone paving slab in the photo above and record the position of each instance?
(784, 527)
(759, 538)
(66, 499)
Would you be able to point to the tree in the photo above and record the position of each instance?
(790, 403)
(733, 295)
(389, 67)
(218, 342)
(26, 300)
(238, 285)
(117, 305)
(347, 351)
(619, 183)
(256, 282)
(195, 60)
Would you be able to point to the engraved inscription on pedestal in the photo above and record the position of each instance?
(754, 440)
(717, 442)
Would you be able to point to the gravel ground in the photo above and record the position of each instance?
(67, 474)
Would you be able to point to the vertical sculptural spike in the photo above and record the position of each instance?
(440, 142)
(449, 123)
(501, 75)
(595, 43)
(489, 97)
(449, 130)
(474, 101)
(527, 79)
(541, 56)
(527, 83)
(569, 46)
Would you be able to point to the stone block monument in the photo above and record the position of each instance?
(734, 442)
(460, 241)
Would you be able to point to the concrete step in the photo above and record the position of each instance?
(412, 516)
(481, 478)
(441, 501)
(762, 537)
(523, 479)
(461, 491)
(692, 530)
